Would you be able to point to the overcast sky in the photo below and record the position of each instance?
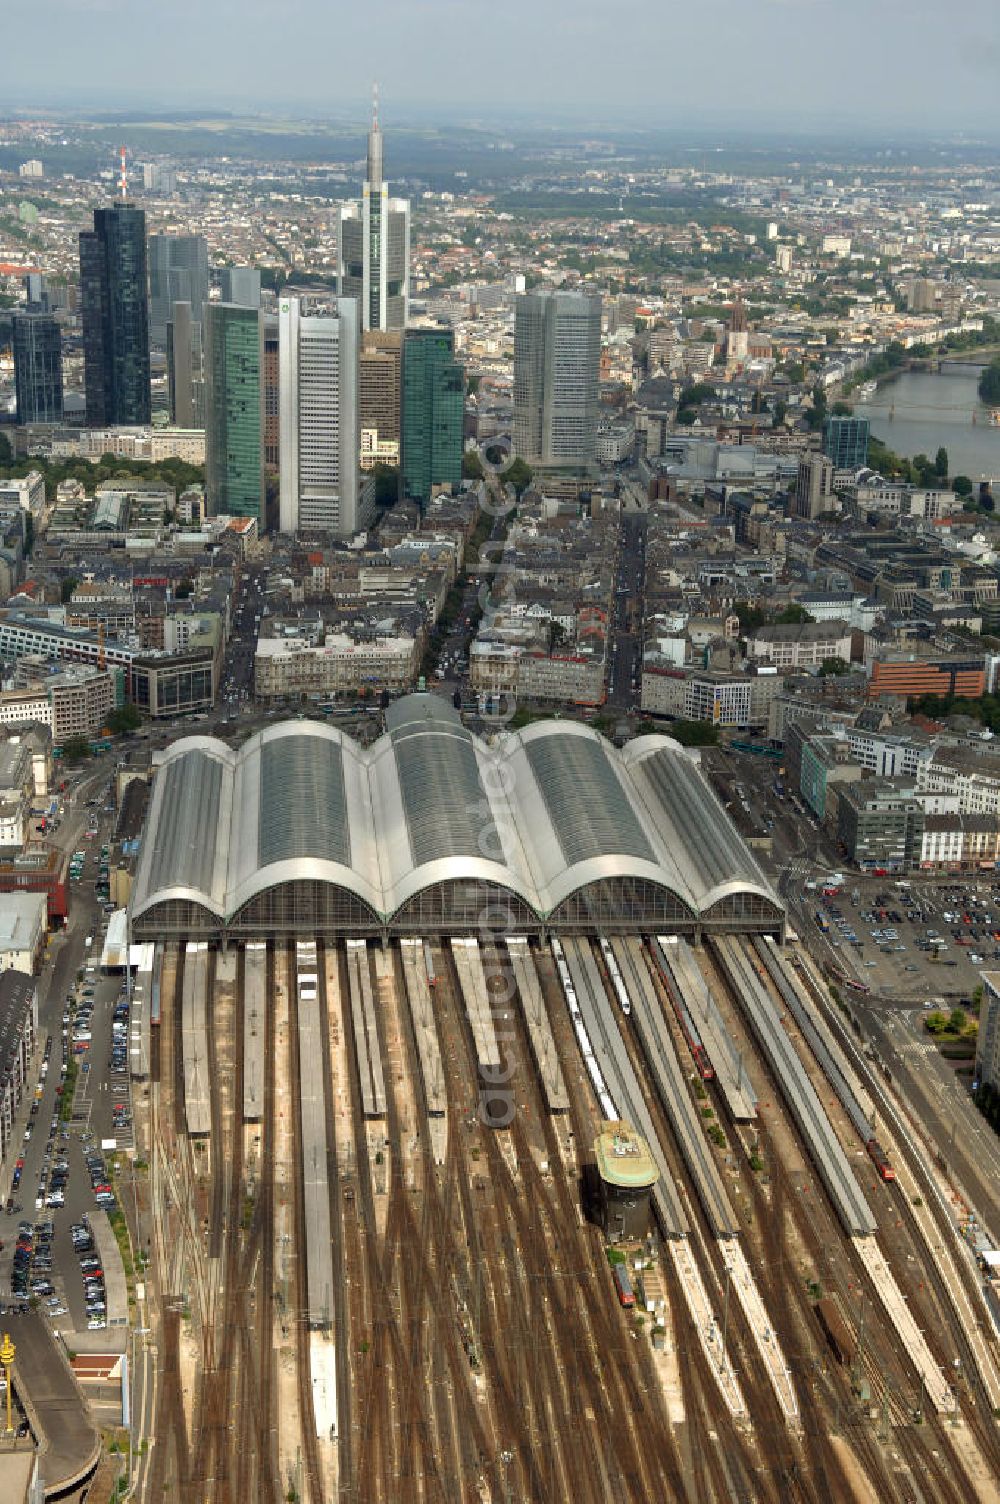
(808, 64)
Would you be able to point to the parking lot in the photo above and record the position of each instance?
(56, 1238)
(916, 938)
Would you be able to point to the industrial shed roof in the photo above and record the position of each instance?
(543, 813)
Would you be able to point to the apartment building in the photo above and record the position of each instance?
(801, 645)
(972, 777)
(286, 667)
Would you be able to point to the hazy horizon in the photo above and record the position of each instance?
(803, 66)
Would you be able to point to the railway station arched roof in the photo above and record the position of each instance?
(551, 816)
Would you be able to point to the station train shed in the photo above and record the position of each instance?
(302, 831)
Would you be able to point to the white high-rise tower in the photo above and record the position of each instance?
(373, 246)
(319, 433)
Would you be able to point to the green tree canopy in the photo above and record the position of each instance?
(75, 749)
(694, 733)
(941, 463)
(518, 475)
(127, 719)
(696, 393)
(962, 485)
(989, 382)
(792, 615)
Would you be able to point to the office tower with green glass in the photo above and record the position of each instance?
(115, 317)
(234, 410)
(845, 442)
(433, 408)
(38, 381)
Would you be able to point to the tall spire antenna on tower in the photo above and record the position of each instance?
(123, 181)
(375, 144)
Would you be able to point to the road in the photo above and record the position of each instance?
(626, 634)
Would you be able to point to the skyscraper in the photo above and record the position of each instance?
(557, 358)
(185, 368)
(379, 395)
(433, 412)
(373, 246)
(813, 487)
(178, 273)
(115, 317)
(240, 284)
(38, 381)
(234, 386)
(272, 399)
(319, 431)
(845, 441)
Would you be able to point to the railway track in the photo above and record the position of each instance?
(647, 1463)
(401, 1433)
(312, 1473)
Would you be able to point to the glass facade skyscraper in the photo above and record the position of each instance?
(234, 410)
(373, 247)
(178, 273)
(845, 442)
(433, 409)
(115, 317)
(38, 381)
(557, 367)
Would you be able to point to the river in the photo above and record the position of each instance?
(919, 411)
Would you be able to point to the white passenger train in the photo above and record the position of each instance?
(589, 1059)
(616, 977)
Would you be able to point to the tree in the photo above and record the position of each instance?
(518, 475)
(792, 616)
(75, 749)
(698, 392)
(472, 466)
(941, 463)
(989, 382)
(833, 667)
(122, 722)
(841, 410)
(957, 1021)
(694, 733)
(67, 587)
(750, 618)
(962, 485)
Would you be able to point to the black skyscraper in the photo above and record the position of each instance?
(115, 317)
(38, 379)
